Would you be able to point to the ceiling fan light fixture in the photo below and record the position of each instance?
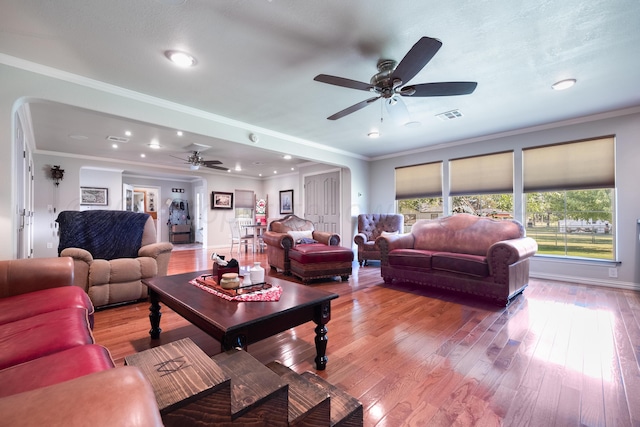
(181, 59)
(563, 84)
(194, 167)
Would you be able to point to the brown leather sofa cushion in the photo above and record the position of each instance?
(467, 234)
(410, 258)
(473, 265)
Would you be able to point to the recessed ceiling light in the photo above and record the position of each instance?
(127, 132)
(181, 59)
(286, 157)
(275, 171)
(143, 155)
(563, 84)
(114, 145)
(293, 169)
(179, 133)
(413, 124)
(154, 144)
(374, 134)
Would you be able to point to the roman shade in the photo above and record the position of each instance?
(576, 165)
(244, 199)
(424, 180)
(489, 174)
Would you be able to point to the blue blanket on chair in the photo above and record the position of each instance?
(105, 234)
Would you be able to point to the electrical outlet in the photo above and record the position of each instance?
(613, 272)
(50, 208)
(49, 245)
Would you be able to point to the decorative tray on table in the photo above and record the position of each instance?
(209, 281)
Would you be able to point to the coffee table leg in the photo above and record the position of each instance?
(234, 341)
(154, 315)
(321, 318)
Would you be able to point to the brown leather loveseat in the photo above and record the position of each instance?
(476, 255)
(283, 234)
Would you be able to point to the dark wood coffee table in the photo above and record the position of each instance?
(238, 324)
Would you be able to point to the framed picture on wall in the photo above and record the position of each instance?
(221, 200)
(93, 196)
(286, 202)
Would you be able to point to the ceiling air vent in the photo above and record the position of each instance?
(449, 115)
(117, 139)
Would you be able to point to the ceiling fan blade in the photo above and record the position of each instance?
(353, 108)
(439, 89)
(417, 57)
(341, 81)
(179, 158)
(397, 110)
(222, 168)
(211, 162)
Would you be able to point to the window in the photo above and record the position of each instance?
(419, 192)
(483, 185)
(244, 203)
(570, 198)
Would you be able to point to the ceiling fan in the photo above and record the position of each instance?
(388, 82)
(195, 160)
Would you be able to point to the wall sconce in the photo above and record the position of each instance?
(57, 174)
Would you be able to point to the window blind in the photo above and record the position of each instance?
(424, 180)
(244, 199)
(574, 165)
(488, 174)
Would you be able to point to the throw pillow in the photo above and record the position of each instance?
(297, 236)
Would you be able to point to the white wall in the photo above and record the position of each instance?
(625, 125)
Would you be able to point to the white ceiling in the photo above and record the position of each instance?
(257, 60)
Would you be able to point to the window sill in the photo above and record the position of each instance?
(578, 260)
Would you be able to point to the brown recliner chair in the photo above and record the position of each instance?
(113, 251)
(283, 234)
(370, 227)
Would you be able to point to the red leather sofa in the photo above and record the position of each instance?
(49, 363)
(478, 256)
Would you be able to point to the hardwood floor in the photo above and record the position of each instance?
(561, 354)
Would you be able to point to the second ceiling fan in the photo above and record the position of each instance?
(390, 81)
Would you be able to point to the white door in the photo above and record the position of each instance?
(322, 201)
(25, 181)
(200, 212)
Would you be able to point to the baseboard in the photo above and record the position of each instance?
(628, 286)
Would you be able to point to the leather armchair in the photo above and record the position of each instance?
(279, 241)
(113, 279)
(370, 227)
